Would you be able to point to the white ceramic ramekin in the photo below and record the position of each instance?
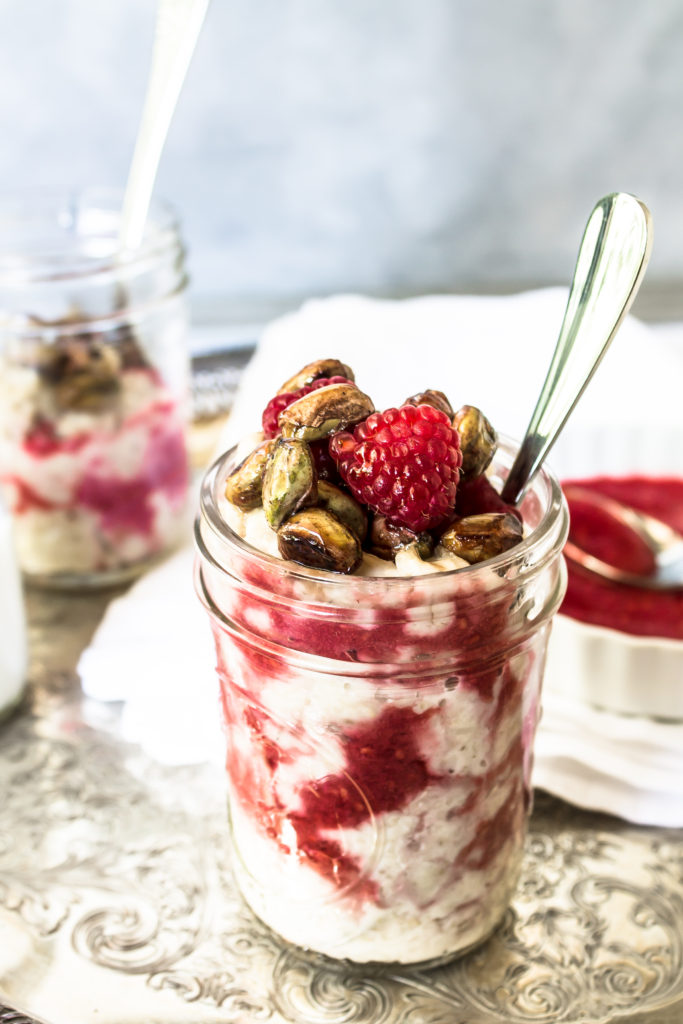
(636, 675)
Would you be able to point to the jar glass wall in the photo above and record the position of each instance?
(93, 387)
(13, 650)
(380, 734)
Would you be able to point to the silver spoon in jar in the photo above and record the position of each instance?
(665, 544)
(177, 29)
(613, 255)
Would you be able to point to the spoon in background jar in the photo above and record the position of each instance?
(664, 544)
(177, 29)
(613, 255)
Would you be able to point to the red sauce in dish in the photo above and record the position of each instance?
(639, 611)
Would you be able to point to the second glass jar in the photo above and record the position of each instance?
(93, 388)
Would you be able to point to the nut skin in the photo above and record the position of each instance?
(290, 481)
(317, 538)
(480, 537)
(478, 440)
(314, 371)
(128, 347)
(83, 371)
(436, 399)
(244, 486)
(387, 538)
(344, 506)
(324, 412)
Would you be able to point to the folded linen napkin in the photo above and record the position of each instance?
(153, 650)
(492, 352)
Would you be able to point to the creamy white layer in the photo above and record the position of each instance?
(301, 908)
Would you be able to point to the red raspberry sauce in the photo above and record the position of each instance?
(635, 610)
(42, 441)
(384, 770)
(126, 505)
(25, 498)
(123, 505)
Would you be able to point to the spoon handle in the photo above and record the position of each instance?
(177, 29)
(613, 255)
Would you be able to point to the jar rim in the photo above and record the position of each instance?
(66, 211)
(550, 532)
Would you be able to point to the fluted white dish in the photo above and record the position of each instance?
(633, 675)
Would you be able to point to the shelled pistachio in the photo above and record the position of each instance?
(387, 538)
(314, 371)
(317, 538)
(436, 399)
(478, 440)
(344, 506)
(289, 482)
(244, 486)
(479, 537)
(325, 411)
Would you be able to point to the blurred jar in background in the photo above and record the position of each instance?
(93, 387)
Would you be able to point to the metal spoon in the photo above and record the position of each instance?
(613, 255)
(177, 28)
(664, 543)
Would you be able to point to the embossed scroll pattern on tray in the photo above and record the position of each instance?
(99, 846)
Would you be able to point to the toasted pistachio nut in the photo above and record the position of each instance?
(325, 411)
(344, 506)
(314, 371)
(387, 538)
(478, 440)
(83, 370)
(290, 480)
(477, 538)
(436, 399)
(245, 484)
(317, 538)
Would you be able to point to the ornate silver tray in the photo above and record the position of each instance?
(116, 902)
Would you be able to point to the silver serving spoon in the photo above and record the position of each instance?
(612, 259)
(177, 29)
(664, 543)
(613, 255)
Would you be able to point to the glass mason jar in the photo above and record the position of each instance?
(93, 387)
(379, 734)
(13, 650)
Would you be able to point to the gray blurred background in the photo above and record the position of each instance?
(387, 146)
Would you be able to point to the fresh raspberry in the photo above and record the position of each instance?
(403, 463)
(272, 411)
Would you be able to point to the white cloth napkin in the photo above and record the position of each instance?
(153, 650)
(492, 352)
